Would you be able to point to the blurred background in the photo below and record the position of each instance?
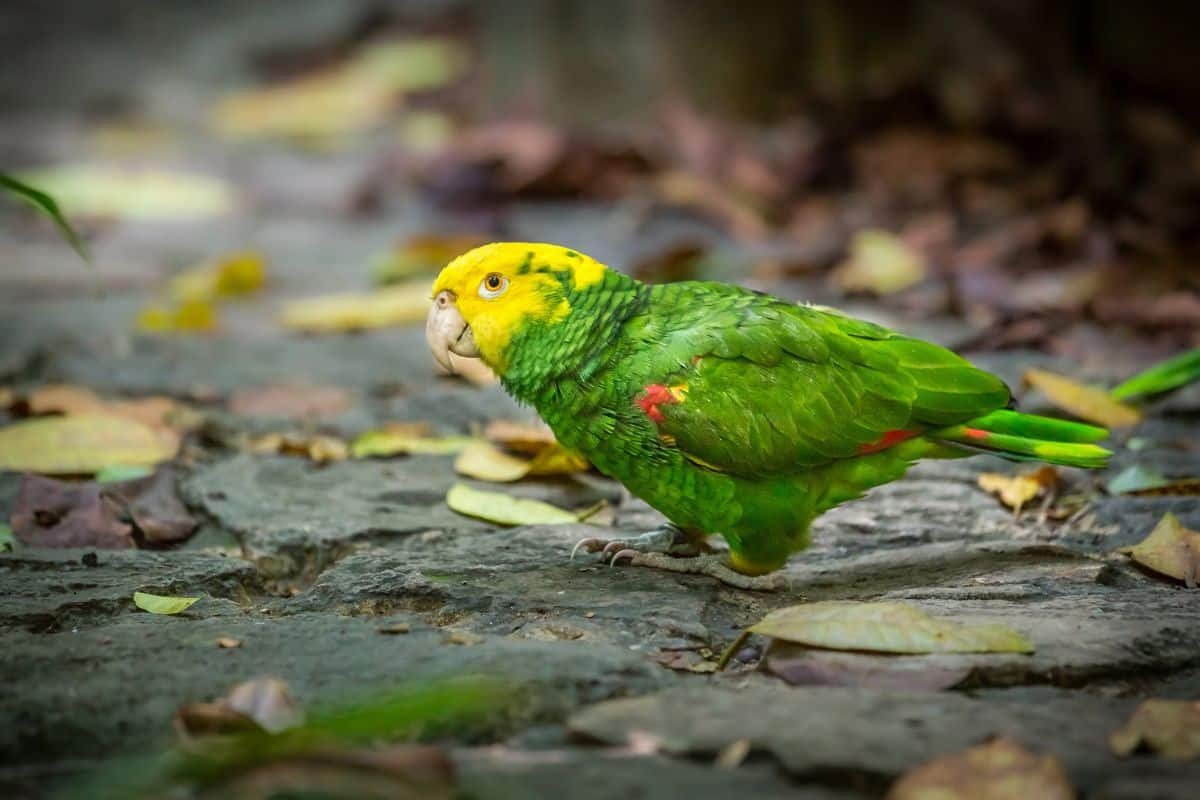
(1026, 173)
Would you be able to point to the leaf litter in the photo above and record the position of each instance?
(1001, 769)
(1170, 728)
(1170, 550)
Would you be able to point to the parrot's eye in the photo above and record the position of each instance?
(493, 285)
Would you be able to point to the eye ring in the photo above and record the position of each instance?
(493, 285)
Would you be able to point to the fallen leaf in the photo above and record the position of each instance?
(879, 262)
(119, 472)
(315, 447)
(232, 275)
(7, 541)
(403, 304)
(885, 627)
(1086, 402)
(136, 194)
(1170, 728)
(997, 770)
(394, 629)
(687, 190)
(227, 643)
(262, 704)
(154, 506)
(160, 604)
(51, 513)
(82, 444)
(155, 410)
(1135, 478)
(355, 95)
(733, 754)
(558, 460)
(1171, 550)
(186, 316)
(422, 255)
(486, 462)
(290, 402)
(803, 666)
(523, 437)
(1017, 490)
(464, 638)
(504, 509)
(387, 442)
(1187, 487)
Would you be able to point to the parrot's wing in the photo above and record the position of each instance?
(754, 386)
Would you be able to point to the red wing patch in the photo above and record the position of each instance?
(889, 439)
(655, 395)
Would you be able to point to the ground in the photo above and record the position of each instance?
(305, 564)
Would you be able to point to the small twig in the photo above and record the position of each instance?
(730, 651)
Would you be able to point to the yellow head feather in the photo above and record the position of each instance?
(533, 290)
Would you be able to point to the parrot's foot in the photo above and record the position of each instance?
(667, 539)
(713, 566)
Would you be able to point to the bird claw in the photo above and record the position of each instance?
(591, 544)
(623, 552)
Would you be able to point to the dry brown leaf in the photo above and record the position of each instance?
(997, 770)
(879, 262)
(290, 402)
(403, 304)
(1086, 402)
(1017, 490)
(885, 627)
(1171, 550)
(806, 666)
(262, 704)
(315, 447)
(156, 411)
(82, 444)
(228, 643)
(529, 438)
(1170, 728)
(50, 513)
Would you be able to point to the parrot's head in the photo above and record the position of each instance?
(488, 295)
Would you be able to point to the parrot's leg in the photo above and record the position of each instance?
(713, 566)
(668, 538)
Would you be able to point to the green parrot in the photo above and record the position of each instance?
(730, 411)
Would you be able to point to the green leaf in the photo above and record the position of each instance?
(1161, 378)
(7, 542)
(504, 509)
(159, 604)
(49, 207)
(885, 627)
(122, 472)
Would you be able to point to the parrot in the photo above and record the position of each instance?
(730, 411)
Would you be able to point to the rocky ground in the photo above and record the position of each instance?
(305, 564)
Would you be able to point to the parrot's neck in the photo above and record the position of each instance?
(544, 355)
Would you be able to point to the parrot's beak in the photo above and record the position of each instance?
(447, 332)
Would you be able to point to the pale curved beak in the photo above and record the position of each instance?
(447, 332)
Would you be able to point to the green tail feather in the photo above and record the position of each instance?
(1027, 437)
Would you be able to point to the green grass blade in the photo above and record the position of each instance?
(1162, 377)
(48, 206)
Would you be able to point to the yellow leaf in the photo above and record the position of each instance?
(159, 604)
(558, 460)
(1170, 728)
(399, 305)
(997, 770)
(315, 447)
(1170, 549)
(392, 443)
(185, 316)
(1086, 402)
(422, 255)
(488, 463)
(232, 275)
(1017, 490)
(139, 194)
(879, 262)
(503, 509)
(82, 443)
(342, 99)
(885, 627)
